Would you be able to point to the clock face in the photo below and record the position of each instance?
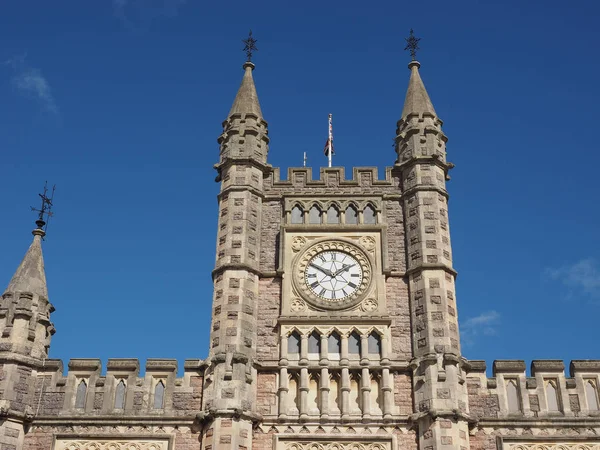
(333, 275)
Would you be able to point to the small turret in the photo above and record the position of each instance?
(25, 332)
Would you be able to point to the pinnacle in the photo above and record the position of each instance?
(417, 100)
(30, 275)
(246, 100)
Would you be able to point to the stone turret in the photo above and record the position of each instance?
(230, 386)
(440, 397)
(25, 331)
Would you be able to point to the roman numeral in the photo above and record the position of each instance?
(352, 285)
(322, 292)
(314, 285)
(332, 294)
(344, 292)
(355, 275)
(311, 275)
(322, 258)
(333, 256)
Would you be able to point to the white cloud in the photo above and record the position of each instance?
(583, 276)
(32, 83)
(482, 325)
(138, 14)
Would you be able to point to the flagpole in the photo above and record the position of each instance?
(304, 159)
(329, 152)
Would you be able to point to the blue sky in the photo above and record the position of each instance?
(119, 103)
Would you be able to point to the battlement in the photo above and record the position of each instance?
(547, 392)
(121, 391)
(331, 177)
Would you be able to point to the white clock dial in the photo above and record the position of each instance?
(333, 275)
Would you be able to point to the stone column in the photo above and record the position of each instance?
(324, 351)
(303, 389)
(344, 361)
(386, 388)
(364, 349)
(283, 392)
(324, 393)
(345, 388)
(365, 388)
(304, 349)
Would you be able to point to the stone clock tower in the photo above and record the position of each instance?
(334, 317)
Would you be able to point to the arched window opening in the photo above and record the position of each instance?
(314, 345)
(292, 396)
(591, 394)
(294, 344)
(355, 395)
(376, 402)
(312, 397)
(512, 396)
(552, 396)
(374, 342)
(314, 215)
(333, 215)
(334, 345)
(120, 395)
(335, 394)
(159, 395)
(297, 214)
(354, 343)
(369, 215)
(351, 215)
(80, 396)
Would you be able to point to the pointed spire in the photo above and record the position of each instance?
(246, 100)
(417, 100)
(30, 275)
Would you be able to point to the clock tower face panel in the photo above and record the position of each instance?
(331, 272)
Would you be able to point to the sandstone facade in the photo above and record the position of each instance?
(302, 355)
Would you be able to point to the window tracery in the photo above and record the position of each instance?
(80, 395)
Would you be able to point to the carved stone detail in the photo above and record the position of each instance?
(112, 444)
(368, 242)
(337, 445)
(298, 305)
(297, 243)
(593, 445)
(369, 305)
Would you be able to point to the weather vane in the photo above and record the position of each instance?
(412, 45)
(45, 211)
(250, 46)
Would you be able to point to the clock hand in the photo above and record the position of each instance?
(321, 269)
(343, 269)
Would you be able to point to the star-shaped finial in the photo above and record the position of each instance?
(250, 46)
(412, 45)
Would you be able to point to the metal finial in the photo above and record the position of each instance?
(250, 46)
(45, 211)
(412, 45)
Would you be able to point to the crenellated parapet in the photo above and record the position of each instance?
(543, 394)
(84, 391)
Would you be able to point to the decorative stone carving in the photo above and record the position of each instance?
(368, 305)
(536, 445)
(112, 444)
(337, 445)
(298, 305)
(297, 243)
(368, 242)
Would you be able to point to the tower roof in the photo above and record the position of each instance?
(417, 100)
(30, 275)
(246, 100)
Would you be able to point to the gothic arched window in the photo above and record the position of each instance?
(374, 343)
(369, 215)
(297, 214)
(351, 215)
(333, 215)
(120, 395)
(159, 395)
(592, 395)
(354, 343)
(334, 345)
(314, 345)
(294, 344)
(512, 396)
(314, 215)
(552, 396)
(80, 395)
